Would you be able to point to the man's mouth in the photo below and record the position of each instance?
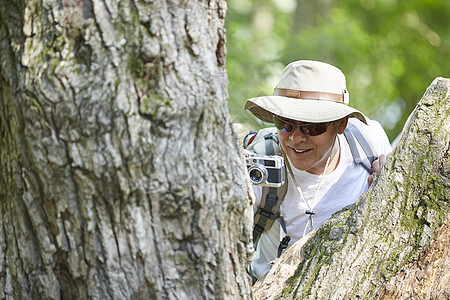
(299, 151)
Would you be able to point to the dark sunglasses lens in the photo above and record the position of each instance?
(314, 129)
(308, 129)
(283, 125)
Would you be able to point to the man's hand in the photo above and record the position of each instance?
(377, 165)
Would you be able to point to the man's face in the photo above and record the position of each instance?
(310, 153)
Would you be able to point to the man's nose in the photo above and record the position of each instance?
(297, 136)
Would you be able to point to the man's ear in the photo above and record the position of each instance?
(342, 125)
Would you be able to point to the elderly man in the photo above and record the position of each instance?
(310, 110)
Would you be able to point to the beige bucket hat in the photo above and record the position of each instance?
(308, 91)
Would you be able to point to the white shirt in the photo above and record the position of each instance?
(338, 189)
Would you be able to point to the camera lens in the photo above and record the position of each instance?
(255, 175)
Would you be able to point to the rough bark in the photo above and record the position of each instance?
(393, 243)
(121, 177)
(429, 276)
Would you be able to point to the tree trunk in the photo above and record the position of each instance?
(394, 242)
(121, 175)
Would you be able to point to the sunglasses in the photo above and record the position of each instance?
(311, 129)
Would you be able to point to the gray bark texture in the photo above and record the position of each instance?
(121, 177)
(394, 242)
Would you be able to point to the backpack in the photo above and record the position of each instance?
(265, 142)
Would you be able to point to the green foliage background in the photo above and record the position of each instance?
(389, 50)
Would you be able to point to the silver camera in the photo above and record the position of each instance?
(265, 170)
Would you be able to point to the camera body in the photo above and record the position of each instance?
(266, 170)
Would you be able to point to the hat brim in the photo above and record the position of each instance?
(305, 110)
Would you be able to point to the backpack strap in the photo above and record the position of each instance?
(268, 211)
(353, 135)
(269, 208)
(284, 243)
